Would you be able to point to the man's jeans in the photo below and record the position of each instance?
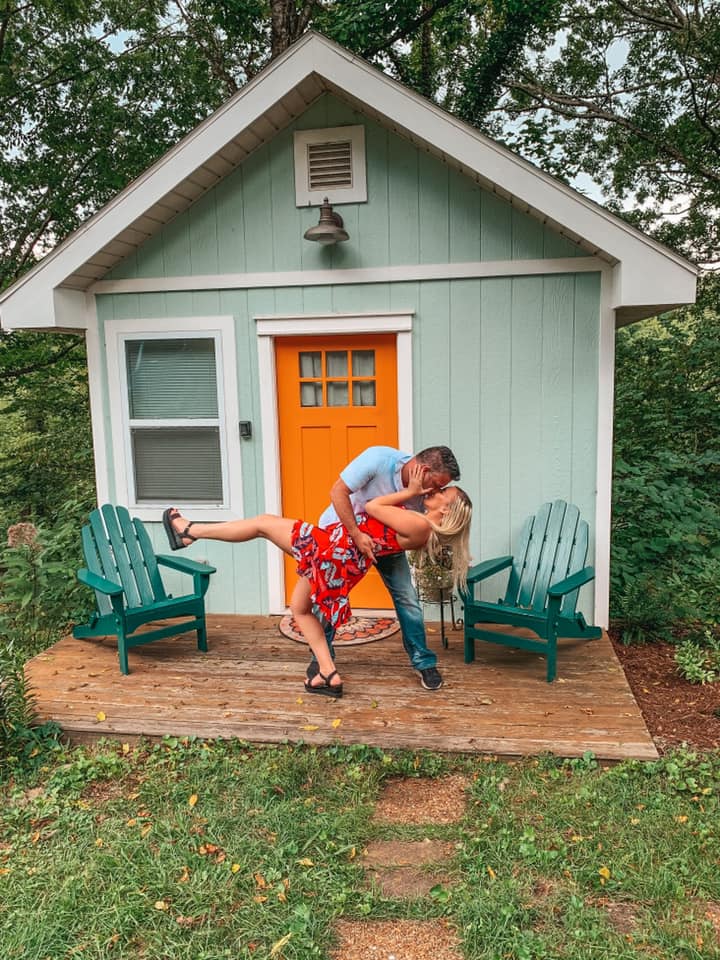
(395, 573)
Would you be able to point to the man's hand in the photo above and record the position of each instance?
(366, 545)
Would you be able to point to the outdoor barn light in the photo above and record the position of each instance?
(329, 229)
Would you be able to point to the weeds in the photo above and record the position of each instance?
(39, 600)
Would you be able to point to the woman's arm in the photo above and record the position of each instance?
(412, 528)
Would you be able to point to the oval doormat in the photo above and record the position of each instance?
(357, 630)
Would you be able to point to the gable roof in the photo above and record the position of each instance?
(648, 277)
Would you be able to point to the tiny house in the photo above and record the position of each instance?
(464, 298)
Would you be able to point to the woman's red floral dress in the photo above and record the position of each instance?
(333, 564)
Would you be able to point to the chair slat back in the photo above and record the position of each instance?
(95, 565)
(552, 545)
(148, 553)
(114, 549)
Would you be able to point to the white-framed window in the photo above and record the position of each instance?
(173, 389)
(330, 163)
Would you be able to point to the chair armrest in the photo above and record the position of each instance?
(479, 572)
(571, 583)
(96, 582)
(487, 568)
(185, 564)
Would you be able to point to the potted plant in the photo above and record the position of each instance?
(432, 576)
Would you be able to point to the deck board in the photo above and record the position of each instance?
(249, 685)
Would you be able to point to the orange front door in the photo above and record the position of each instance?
(336, 396)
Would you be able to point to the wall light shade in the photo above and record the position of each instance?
(330, 227)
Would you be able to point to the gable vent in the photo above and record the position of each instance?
(330, 162)
(330, 165)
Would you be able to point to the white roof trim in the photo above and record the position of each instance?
(653, 274)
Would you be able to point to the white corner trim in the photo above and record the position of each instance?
(116, 331)
(267, 329)
(314, 278)
(604, 467)
(94, 351)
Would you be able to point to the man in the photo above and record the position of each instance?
(377, 471)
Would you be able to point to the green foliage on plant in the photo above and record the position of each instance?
(627, 97)
(698, 658)
(46, 457)
(666, 510)
(204, 850)
(431, 576)
(39, 599)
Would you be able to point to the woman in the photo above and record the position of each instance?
(329, 563)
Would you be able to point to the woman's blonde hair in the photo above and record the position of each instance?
(451, 536)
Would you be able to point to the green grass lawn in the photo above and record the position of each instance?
(222, 849)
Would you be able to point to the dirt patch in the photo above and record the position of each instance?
(712, 913)
(623, 917)
(395, 940)
(411, 853)
(674, 710)
(406, 883)
(406, 870)
(422, 801)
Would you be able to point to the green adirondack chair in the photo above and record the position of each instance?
(546, 574)
(122, 569)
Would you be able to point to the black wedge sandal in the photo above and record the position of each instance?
(326, 689)
(175, 539)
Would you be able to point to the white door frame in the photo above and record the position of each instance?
(308, 325)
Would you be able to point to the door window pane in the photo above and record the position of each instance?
(363, 363)
(364, 393)
(337, 393)
(311, 395)
(171, 378)
(337, 363)
(311, 364)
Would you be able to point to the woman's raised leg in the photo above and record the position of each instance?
(182, 531)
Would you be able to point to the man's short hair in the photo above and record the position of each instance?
(439, 460)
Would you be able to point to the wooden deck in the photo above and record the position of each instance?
(249, 686)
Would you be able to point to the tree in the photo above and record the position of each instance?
(93, 91)
(629, 96)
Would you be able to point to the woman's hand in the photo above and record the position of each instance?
(416, 481)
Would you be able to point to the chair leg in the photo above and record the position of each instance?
(123, 652)
(469, 649)
(551, 658)
(202, 638)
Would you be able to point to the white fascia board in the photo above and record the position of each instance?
(32, 307)
(645, 281)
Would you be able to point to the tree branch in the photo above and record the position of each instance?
(403, 32)
(7, 375)
(569, 107)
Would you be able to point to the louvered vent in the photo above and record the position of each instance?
(330, 165)
(330, 162)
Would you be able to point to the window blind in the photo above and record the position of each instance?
(172, 378)
(180, 464)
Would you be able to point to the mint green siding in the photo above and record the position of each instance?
(419, 210)
(505, 370)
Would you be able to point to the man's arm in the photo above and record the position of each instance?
(340, 498)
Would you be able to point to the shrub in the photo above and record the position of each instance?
(698, 660)
(40, 598)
